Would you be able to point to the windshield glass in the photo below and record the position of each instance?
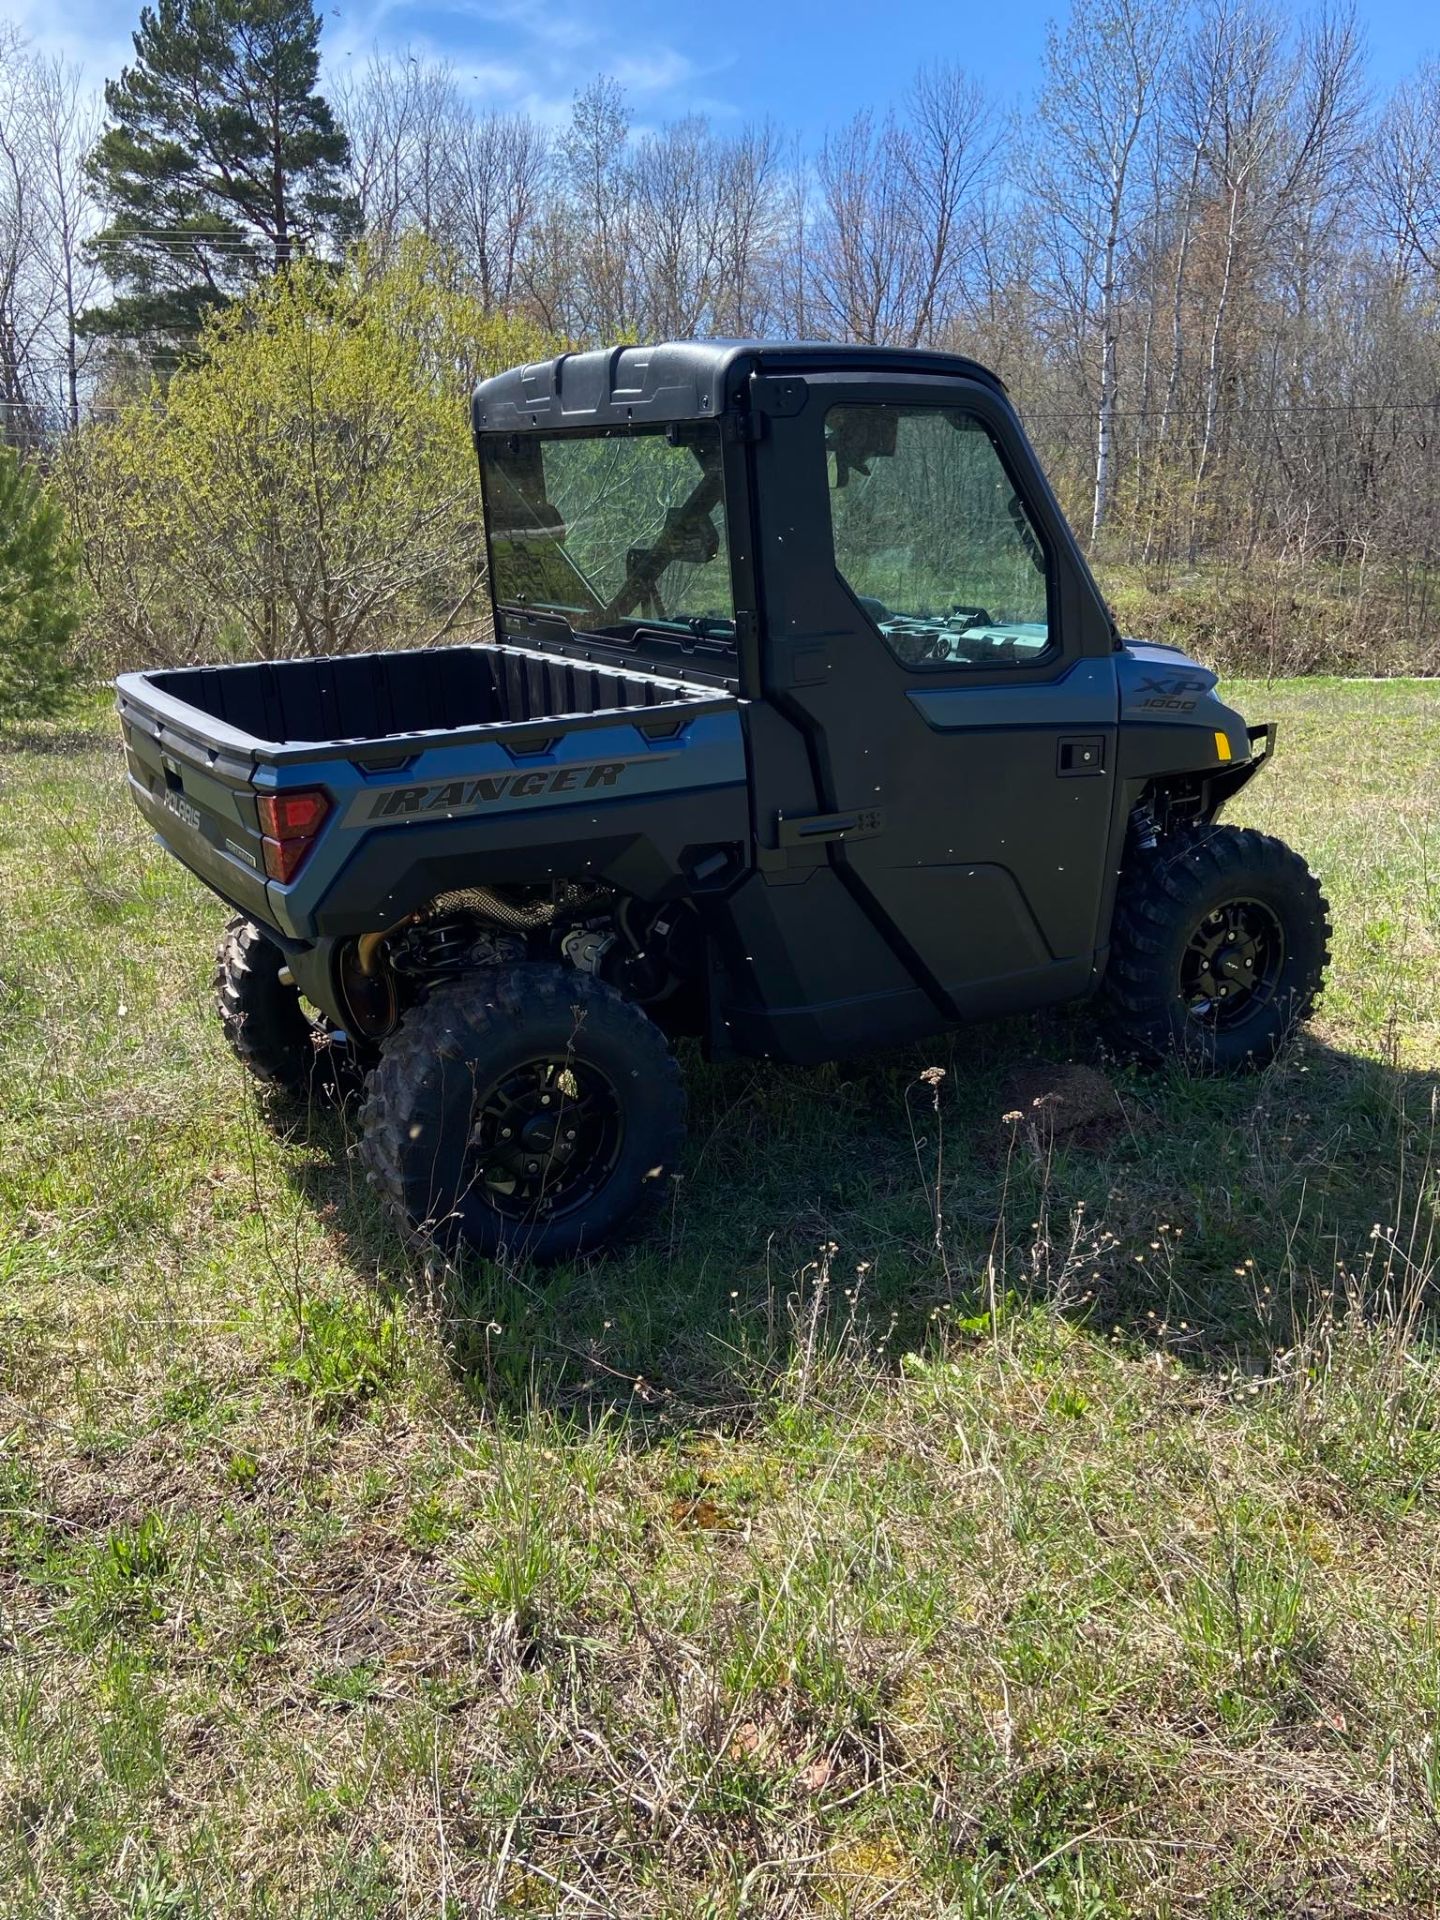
(612, 532)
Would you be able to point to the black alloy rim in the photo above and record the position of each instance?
(545, 1138)
(1231, 966)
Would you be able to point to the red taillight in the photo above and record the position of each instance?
(293, 816)
(289, 823)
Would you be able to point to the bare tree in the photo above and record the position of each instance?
(47, 124)
(65, 123)
(948, 159)
(862, 266)
(790, 293)
(498, 170)
(404, 117)
(677, 227)
(1105, 77)
(1278, 143)
(751, 193)
(595, 218)
(705, 219)
(898, 212)
(22, 328)
(1407, 174)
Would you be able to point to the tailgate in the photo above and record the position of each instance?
(191, 777)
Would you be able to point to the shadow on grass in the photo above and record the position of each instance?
(1215, 1217)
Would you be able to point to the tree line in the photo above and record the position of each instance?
(1205, 256)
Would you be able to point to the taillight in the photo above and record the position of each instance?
(289, 823)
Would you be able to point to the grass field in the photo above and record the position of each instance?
(1067, 1548)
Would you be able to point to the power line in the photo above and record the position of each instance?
(1241, 410)
(216, 235)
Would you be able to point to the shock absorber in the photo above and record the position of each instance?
(444, 944)
(1143, 828)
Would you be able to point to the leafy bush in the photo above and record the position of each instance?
(309, 485)
(38, 610)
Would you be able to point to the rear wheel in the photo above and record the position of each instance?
(1219, 949)
(270, 1030)
(530, 1109)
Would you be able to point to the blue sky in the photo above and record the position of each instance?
(805, 63)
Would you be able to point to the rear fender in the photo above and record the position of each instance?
(634, 805)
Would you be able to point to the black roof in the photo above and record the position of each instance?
(679, 380)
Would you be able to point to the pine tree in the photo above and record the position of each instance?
(220, 162)
(38, 604)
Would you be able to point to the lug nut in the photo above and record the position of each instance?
(505, 1133)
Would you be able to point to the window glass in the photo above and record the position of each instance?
(932, 539)
(613, 532)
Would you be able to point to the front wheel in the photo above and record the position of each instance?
(527, 1109)
(1219, 949)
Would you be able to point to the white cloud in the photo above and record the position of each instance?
(90, 34)
(522, 55)
(528, 56)
(655, 73)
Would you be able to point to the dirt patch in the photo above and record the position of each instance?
(1051, 1101)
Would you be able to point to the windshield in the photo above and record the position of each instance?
(614, 533)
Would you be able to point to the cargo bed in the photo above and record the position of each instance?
(335, 704)
(426, 770)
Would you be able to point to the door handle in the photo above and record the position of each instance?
(1079, 755)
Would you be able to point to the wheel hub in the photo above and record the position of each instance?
(545, 1137)
(538, 1134)
(1231, 964)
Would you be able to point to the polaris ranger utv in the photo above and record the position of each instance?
(805, 730)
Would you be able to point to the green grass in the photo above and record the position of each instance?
(1076, 1557)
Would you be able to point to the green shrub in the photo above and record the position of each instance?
(38, 594)
(308, 486)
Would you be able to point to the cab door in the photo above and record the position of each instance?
(931, 628)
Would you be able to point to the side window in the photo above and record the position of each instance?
(932, 539)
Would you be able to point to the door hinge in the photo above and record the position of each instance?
(801, 838)
(747, 427)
